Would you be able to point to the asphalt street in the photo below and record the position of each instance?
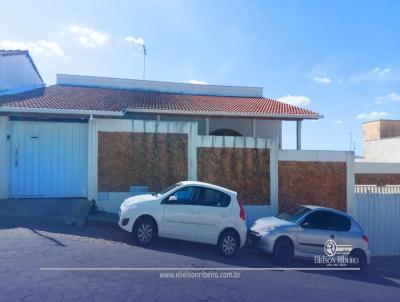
(25, 251)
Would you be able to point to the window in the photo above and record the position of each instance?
(321, 220)
(225, 132)
(167, 189)
(294, 214)
(342, 223)
(186, 195)
(214, 198)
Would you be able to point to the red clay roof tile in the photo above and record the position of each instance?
(105, 99)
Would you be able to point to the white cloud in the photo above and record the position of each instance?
(133, 40)
(394, 96)
(41, 46)
(197, 82)
(296, 100)
(391, 97)
(374, 115)
(377, 73)
(381, 73)
(322, 80)
(89, 37)
(337, 122)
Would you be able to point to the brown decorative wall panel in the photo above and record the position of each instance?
(315, 183)
(243, 170)
(129, 159)
(378, 179)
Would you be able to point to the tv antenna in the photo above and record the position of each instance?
(144, 60)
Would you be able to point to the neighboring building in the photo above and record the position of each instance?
(18, 73)
(381, 141)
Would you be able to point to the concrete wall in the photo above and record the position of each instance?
(241, 146)
(110, 201)
(4, 157)
(17, 74)
(380, 174)
(382, 150)
(324, 178)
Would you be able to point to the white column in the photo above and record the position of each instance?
(92, 159)
(4, 157)
(254, 130)
(350, 182)
(207, 126)
(298, 128)
(274, 177)
(192, 150)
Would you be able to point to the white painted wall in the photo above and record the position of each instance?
(263, 128)
(4, 157)
(376, 168)
(17, 74)
(383, 150)
(221, 90)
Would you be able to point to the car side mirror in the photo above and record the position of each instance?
(306, 225)
(172, 198)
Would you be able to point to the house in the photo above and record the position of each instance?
(381, 141)
(45, 133)
(105, 139)
(18, 72)
(380, 164)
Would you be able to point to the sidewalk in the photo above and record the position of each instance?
(103, 219)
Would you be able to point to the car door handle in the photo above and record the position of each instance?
(223, 216)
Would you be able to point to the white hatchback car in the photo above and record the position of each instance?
(188, 210)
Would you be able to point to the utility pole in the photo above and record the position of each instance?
(351, 140)
(144, 60)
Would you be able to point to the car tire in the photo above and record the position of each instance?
(360, 256)
(144, 231)
(283, 252)
(228, 244)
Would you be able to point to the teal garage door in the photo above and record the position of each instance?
(48, 159)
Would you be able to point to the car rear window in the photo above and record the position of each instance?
(342, 223)
(214, 198)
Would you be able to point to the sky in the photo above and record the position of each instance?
(338, 58)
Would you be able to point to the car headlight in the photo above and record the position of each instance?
(270, 228)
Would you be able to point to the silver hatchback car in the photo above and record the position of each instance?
(310, 232)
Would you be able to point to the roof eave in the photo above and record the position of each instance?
(60, 111)
(230, 114)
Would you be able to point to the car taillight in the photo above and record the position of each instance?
(242, 214)
(365, 238)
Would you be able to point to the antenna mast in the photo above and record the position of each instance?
(144, 60)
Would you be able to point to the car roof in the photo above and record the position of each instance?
(312, 207)
(208, 185)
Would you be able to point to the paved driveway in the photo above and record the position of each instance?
(24, 250)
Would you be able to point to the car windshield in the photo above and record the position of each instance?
(167, 189)
(294, 214)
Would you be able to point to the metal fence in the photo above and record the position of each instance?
(377, 209)
(373, 189)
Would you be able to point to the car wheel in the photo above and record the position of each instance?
(144, 231)
(228, 244)
(283, 252)
(360, 258)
